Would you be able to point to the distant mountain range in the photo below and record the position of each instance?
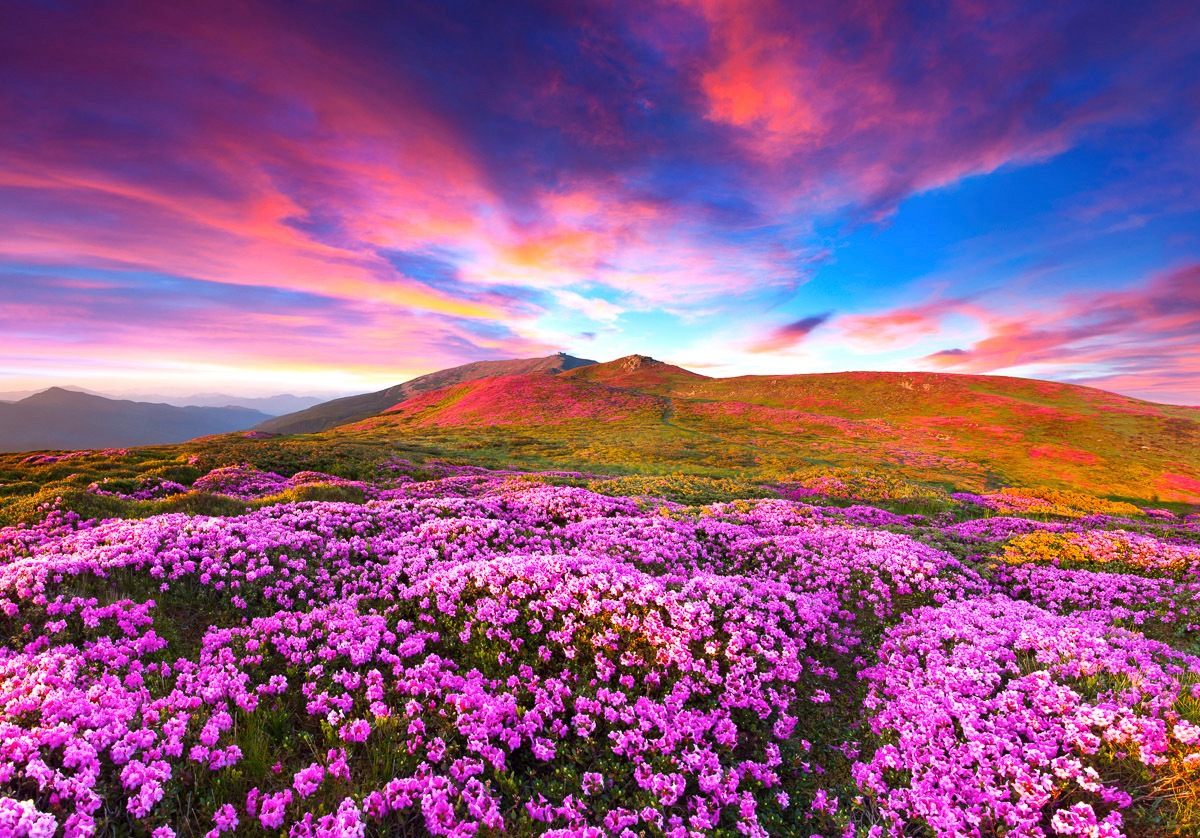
(330, 414)
(68, 419)
(564, 412)
(270, 405)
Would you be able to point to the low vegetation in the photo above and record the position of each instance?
(433, 622)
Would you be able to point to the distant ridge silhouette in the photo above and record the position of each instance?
(58, 418)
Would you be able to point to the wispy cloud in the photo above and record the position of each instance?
(1143, 340)
(789, 334)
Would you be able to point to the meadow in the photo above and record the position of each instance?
(347, 638)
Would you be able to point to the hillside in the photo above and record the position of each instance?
(970, 432)
(58, 419)
(352, 408)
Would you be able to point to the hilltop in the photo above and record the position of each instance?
(636, 372)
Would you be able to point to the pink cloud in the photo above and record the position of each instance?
(867, 102)
(789, 334)
(902, 326)
(1143, 340)
(229, 202)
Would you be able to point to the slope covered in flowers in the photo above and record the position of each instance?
(464, 652)
(975, 432)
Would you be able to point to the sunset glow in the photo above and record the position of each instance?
(262, 197)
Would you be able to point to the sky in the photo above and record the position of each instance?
(304, 196)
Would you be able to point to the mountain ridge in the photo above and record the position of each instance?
(274, 405)
(58, 418)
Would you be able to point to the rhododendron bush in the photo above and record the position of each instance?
(480, 653)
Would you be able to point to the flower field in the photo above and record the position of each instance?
(470, 652)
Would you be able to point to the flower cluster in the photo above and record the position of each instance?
(857, 484)
(998, 717)
(147, 488)
(1043, 501)
(525, 630)
(469, 652)
(241, 481)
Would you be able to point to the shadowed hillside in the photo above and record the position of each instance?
(58, 418)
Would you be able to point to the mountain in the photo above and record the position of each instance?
(967, 431)
(270, 405)
(58, 418)
(353, 408)
(276, 405)
(17, 395)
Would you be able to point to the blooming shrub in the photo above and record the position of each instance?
(683, 488)
(998, 717)
(999, 528)
(1118, 598)
(481, 653)
(858, 484)
(148, 488)
(438, 636)
(1044, 501)
(241, 481)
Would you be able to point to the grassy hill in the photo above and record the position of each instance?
(973, 432)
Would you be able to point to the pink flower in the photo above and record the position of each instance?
(357, 731)
(307, 780)
(226, 818)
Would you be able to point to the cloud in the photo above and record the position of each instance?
(161, 321)
(867, 102)
(1141, 340)
(452, 179)
(593, 308)
(790, 334)
(901, 327)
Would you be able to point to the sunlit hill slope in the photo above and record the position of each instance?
(967, 431)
